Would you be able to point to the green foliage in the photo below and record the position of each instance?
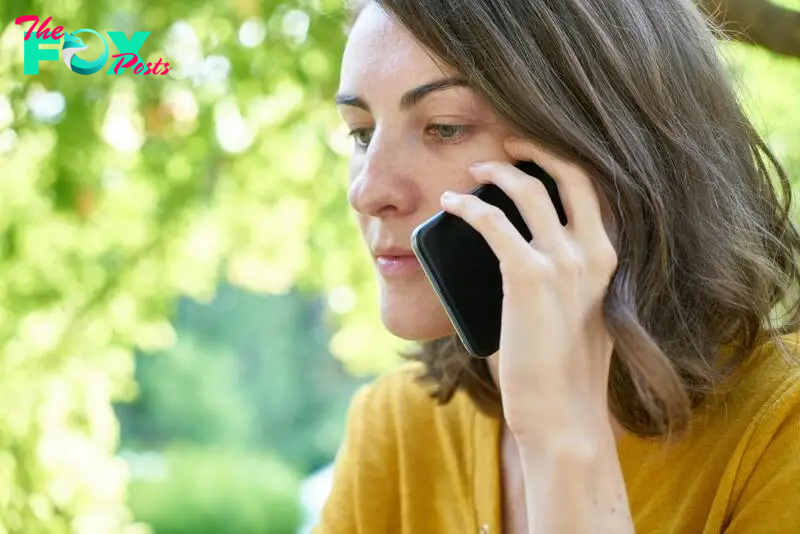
(770, 91)
(247, 371)
(186, 395)
(215, 492)
(140, 190)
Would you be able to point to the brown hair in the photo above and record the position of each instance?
(634, 91)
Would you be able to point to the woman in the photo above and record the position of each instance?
(647, 364)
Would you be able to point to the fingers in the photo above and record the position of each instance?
(531, 198)
(489, 221)
(582, 243)
(578, 195)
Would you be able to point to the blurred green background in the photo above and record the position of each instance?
(185, 303)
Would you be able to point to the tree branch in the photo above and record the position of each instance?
(758, 22)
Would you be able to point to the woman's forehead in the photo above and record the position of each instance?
(379, 50)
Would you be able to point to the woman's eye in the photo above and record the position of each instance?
(447, 133)
(362, 136)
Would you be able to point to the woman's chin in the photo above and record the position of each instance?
(416, 324)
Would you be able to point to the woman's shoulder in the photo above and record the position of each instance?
(398, 399)
(401, 446)
(397, 385)
(739, 463)
(770, 375)
(760, 400)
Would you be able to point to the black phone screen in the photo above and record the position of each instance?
(464, 271)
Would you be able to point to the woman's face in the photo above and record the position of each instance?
(413, 140)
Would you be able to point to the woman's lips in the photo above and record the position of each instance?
(391, 266)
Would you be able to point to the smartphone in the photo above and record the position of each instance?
(463, 270)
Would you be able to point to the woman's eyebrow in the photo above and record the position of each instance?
(410, 98)
(414, 96)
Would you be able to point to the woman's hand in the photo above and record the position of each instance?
(555, 351)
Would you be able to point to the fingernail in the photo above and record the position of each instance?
(448, 197)
(477, 164)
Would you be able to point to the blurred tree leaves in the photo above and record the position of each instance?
(249, 373)
(118, 194)
(211, 492)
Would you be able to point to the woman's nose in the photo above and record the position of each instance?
(384, 184)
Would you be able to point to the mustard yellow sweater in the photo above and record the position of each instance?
(408, 466)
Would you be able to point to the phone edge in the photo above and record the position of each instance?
(436, 288)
